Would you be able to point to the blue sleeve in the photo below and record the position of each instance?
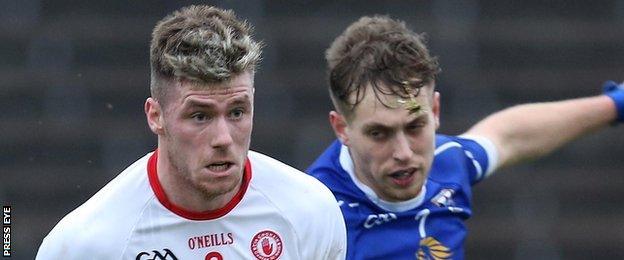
(482, 154)
(477, 155)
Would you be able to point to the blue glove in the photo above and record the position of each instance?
(616, 92)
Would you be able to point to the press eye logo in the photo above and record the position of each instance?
(6, 231)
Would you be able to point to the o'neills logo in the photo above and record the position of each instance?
(266, 245)
(210, 240)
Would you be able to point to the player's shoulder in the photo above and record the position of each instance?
(449, 157)
(72, 238)
(122, 196)
(97, 227)
(462, 155)
(283, 182)
(267, 169)
(303, 201)
(443, 141)
(327, 167)
(327, 162)
(447, 144)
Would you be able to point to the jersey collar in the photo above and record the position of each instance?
(347, 164)
(206, 215)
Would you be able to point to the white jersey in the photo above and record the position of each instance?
(279, 213)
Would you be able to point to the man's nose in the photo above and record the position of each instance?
(402, 150)
(223, 137)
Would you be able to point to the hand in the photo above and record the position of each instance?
(616, 92)
(267, 248)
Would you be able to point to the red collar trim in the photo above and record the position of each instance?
(206, 215)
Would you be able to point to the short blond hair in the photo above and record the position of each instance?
(201, 44)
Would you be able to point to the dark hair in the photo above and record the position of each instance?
(377, 51)
(201, 44)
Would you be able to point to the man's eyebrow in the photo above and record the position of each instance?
(422, 117)
(198, 103)
(241, 101)
(374, 125)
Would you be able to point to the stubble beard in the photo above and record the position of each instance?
(182, 171)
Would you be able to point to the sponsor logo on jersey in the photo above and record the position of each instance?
(157, 255)
(430, 248)
(266, 245)
(210, 240)
(378, 219)
(444, 198)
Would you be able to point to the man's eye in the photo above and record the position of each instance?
(200, 117)
(237, 113)
(415, 126)
(376, 134)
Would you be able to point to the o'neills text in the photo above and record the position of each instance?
(211, 240)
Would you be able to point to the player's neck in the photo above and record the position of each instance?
(194, 200)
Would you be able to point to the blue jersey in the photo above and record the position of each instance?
(430, 226)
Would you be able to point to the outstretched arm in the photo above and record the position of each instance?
(529, 131)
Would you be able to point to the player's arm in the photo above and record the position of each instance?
(532, 130)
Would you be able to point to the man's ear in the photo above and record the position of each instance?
(153, 113)
(436, 109)
(339, 124)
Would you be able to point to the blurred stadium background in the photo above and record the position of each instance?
(74, 76)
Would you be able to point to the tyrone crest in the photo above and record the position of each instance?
(266, 245)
